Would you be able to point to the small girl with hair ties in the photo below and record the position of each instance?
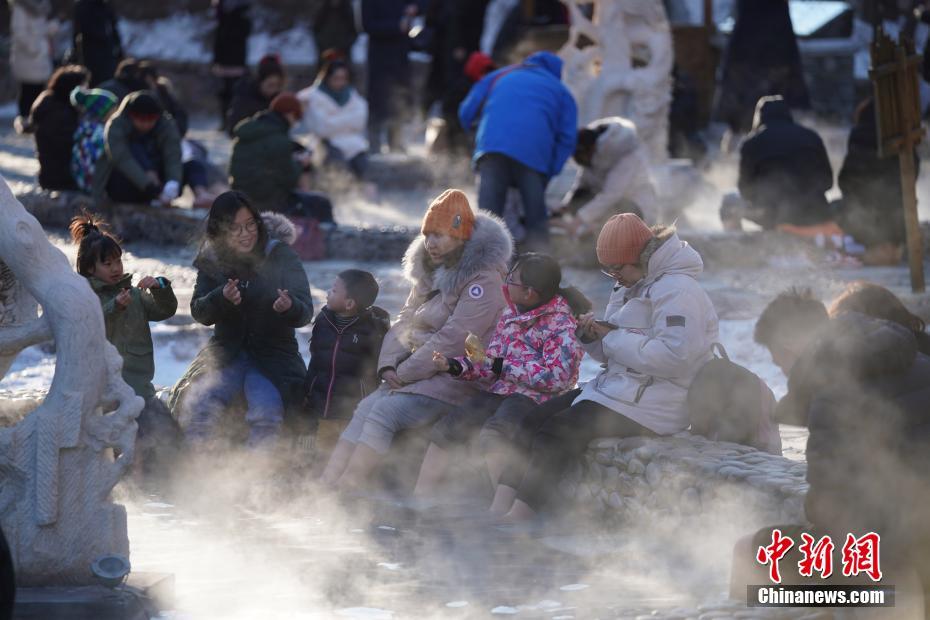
(534, 355)
(127, 311)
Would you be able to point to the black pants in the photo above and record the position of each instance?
(562, 438)
(28, 93)
(310, 204)
(121, 189)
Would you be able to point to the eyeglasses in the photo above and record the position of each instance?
(237, 229)
(509, 282)
(612, 272)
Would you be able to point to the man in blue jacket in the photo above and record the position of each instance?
(527, 126)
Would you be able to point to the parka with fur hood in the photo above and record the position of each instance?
(666, 325)
(619, 170)
(444, 305)
(253, 326)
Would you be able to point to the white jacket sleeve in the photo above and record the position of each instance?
(677, 342)
(617, 185)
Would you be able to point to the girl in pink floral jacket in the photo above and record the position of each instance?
(534, 355)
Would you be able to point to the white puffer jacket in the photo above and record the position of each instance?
(30, 51)
(666, 326)
(342, 126)
(619, 170)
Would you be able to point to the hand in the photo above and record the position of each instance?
(390, 377)
(459, 54)
(123, 299)
(440, 361)
(411, 10)
(148, 282)
(283, 303)
(170, 191)
(589, 329)
(231, 292)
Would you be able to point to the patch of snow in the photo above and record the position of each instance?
(574, 587)
(9, 110)
(505, 611)
(180, 37)
(457, 604)
(365, 613)
(389, 565)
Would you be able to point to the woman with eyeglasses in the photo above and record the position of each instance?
(534, 356)
(253, 290)
(656, 334)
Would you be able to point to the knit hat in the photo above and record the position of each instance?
(622, 240)
(478, 65)
(144, 105)
(450, 214)
(96, 102)
(268, 65)
(287, 103)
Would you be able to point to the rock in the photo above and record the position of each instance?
(653, 474)
(615, 501)
(636, 467)
(604, 457)
(611, 477)
(644, 453)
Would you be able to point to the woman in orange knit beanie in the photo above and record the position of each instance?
(456, 269)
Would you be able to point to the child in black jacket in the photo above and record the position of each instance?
(344, 348)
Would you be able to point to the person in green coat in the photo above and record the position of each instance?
(142, 159)
(253, 290)
(267, 165)
(127, 310)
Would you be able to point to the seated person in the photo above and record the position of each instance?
(873, 206)
(878, 302)
(252, 94)
(142, 161)
(95, 106)
(656, 335)
(338, 115)
(861, 388)
(127, 79)
(614, 173)
(344, 348)
(784, 171)
(267, 168)
(54, 122)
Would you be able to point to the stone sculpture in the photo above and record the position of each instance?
(619, 62)
(59, 458)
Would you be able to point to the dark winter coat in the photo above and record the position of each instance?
(343, 366)
(262, 163)
(873, 206)
(96, 39)
(247, 101)
(762, 58)
(118, 133)
(784, 169)
(334, 26)
(253, 327)
(121, 88)
(128, 328)
(233, 27)
(388, 65)
(55, 122)
(455, 24)
(864, 392)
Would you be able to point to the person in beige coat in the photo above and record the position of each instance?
(457, 269)
(30, 52)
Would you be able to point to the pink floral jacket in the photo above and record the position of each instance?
(540, 353)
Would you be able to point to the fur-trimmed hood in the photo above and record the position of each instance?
(666, 253)
(490, 247)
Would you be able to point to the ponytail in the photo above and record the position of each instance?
(94, 240)
(576, 300)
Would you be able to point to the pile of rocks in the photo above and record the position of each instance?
(686, 476)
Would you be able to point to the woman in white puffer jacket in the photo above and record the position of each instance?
(30, 50)
(656, 335)
(338, 116)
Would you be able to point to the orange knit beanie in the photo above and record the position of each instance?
(450, 214)
(623, 238)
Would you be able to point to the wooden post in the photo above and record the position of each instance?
(897, 110)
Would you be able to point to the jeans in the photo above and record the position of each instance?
(215, 392)
(498, 173)
(562, 438)
(356, 165)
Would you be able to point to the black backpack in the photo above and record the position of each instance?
(728, 402)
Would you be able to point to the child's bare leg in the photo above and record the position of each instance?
(434, 467)
(496, 463)
(504, 497)
(338, 462)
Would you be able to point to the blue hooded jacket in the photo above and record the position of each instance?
(526, 113)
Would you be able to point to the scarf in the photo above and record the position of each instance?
(341, 97)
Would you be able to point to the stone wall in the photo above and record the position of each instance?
(828, 72)
(689, 480)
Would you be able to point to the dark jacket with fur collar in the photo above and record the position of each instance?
(864, 392)
(253, 327)
(444, 305)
